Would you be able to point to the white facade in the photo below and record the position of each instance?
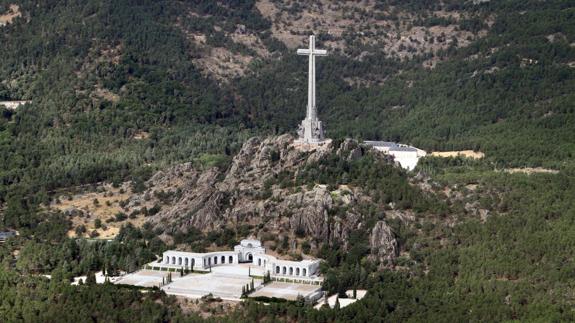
(406, 156)
(192, 260)
(248, 251)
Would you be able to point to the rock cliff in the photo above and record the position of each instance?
(248, 193)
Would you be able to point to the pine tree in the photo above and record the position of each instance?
(300, 300)
(91, 279)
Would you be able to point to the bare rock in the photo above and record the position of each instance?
(383, 243)
(213, 199)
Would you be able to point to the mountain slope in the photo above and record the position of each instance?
(119, 85)
(278, 191)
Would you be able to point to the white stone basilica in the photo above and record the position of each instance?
(248, 251)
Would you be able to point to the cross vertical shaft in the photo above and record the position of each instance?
(311, 115)
(311, 129)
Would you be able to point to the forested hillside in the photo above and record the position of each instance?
(116, 85)
(122, 89)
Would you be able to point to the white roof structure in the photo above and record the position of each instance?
(251, 243)
(13, 105)
(387, 144)
(406, 156)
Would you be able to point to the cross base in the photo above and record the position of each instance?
(311, 132)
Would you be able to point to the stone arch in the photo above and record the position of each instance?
(186, 262)
(277, 269)
(249, 257)
(284, 270)
(291, 271)
(209, 261)
(215, 260)
(179, 261)
(304, 272)
(173, 260)
(297, 271)
(259, 261)
(193, 262)
(223, 260)
(230, 259)
(250, 245)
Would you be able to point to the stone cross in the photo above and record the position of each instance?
(311, 130)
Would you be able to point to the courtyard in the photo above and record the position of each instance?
(225, 282)
(224, 286)
(144, 278)
(287, 291)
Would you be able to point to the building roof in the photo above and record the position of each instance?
(400, 148)
(292, 262)
(393, 146)
(381, 143)
(250, 243)
(198, 254)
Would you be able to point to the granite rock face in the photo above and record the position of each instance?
(382, 242)
(212, 199)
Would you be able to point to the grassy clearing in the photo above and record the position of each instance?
(103, 205)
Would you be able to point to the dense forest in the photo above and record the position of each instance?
(116, 95)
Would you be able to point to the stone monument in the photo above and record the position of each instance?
(311, 130)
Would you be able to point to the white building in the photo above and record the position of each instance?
(248, 251)
(13, 105)
(406, 156)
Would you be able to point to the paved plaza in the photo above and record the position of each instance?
(286, 290)
(239, 270)
(225, 282)
(144, 278)
(225, 286)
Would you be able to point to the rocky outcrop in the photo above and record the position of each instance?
(212, 199)
(382, 242)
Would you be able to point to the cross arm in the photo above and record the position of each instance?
(315, 52)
